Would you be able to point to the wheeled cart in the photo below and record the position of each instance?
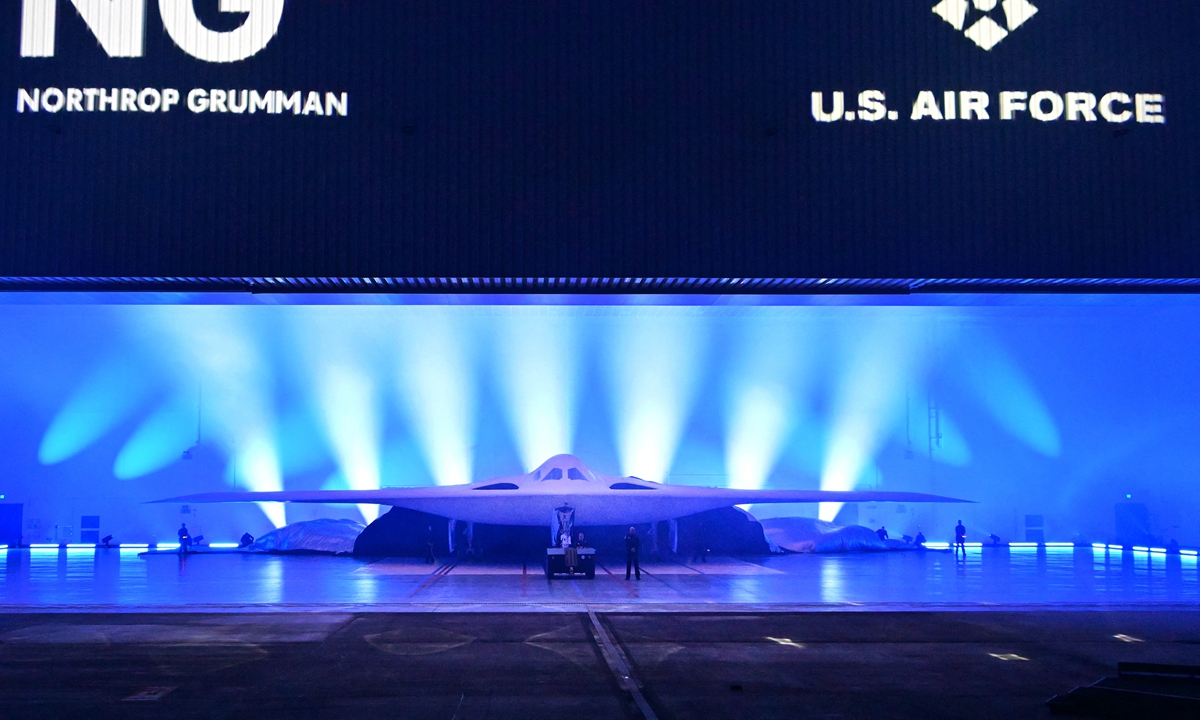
(571, 561)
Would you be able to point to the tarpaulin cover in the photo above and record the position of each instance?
(324, 535)
(809, 535)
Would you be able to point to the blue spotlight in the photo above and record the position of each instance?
(156, 441)
(215, 345)
(353, 426)
(538, 355)
(869, 402)
(757, 425)
(1011, 398)
(653, 361)
(104, 399)
(437, 386)
(768, 380)
(256, 466)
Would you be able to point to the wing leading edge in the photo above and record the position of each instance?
(596, 503)
(398, 496)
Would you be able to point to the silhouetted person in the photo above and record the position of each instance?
(960, 539)
(185, 539)
(920, 539)
(633, 548)
(429, 559)
(580, 542)
(246, 541)
(882, 533)
(1173, 546)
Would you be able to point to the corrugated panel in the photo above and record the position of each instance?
(563, 285)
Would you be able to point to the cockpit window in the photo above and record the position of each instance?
(555, 474)
(574, 474)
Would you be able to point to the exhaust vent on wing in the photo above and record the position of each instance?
(628, 486)
(499, 486)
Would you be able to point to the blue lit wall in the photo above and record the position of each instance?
(1053, 405)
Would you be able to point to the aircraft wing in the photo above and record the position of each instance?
(595, 504)
(750, 497)
(398, 496)
(331, 497)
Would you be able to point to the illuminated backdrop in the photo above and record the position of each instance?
(1060, 406)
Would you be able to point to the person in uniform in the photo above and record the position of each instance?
(633, 548)
(185, 539)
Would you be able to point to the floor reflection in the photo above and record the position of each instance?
(831, 580)
(1042, 576)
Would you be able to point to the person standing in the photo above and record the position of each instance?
(960, 539)
(633, 548)
(882, 533)
(185, 539)
(429, 540)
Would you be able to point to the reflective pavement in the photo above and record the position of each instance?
(76, 579)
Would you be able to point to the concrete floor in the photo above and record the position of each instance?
(106, 634)
(924, 666)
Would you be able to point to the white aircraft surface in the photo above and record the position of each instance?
(563, 480)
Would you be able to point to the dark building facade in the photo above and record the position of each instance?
(547, 139)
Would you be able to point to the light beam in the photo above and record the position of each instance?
(437, 387)
(654, 358)
(538, 353)
(869, 397)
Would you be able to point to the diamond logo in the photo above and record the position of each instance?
(979, 21)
